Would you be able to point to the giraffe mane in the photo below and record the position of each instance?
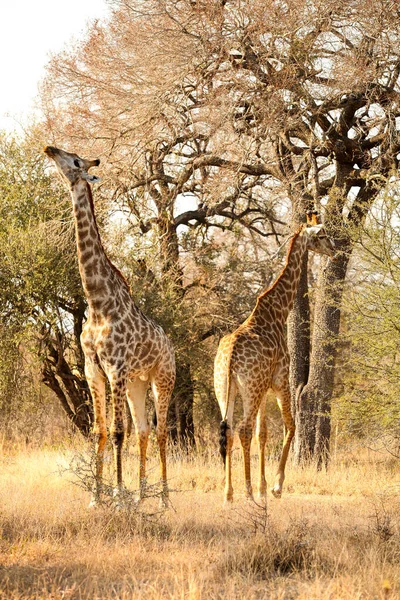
(292, 241)
(117, 271)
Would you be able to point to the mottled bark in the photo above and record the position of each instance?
(299, 340)
(184, 400)
(324, 350)
(180, 414)
(314, 400)
(299, 349)
(299, 335)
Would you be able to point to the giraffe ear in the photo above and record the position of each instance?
(312, 217)
(91, 178)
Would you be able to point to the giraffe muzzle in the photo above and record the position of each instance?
(50, 150)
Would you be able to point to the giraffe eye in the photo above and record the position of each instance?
(76, 163)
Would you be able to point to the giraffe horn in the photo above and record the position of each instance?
(312, 217)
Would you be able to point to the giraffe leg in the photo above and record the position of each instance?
(162, 390)
(245, 431)
(261, 433)
(96, 382)
(228, 466)
(117, 428)
(226, 442)
(227, 433)
(129, 420)
(136, 394)
(284, 401)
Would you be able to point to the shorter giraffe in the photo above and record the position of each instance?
(255, 358)
(119, 342)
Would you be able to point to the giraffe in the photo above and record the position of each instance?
(119, 342)
(255, 358)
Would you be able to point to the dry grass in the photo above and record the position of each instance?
(333, 535)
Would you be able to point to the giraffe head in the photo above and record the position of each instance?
(71, 166)
(317, 239)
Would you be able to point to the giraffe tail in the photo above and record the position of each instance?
(224, 425)
(223, 428)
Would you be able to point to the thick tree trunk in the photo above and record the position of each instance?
(184, 398)
(315, 398)
(180, 414)
(299, 350)
(299, 343)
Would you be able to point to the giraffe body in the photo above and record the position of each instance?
(255, 358)
(119, 342)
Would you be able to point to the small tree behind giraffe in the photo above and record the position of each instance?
(254, 358)
(119, 342)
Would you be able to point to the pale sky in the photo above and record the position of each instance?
(29, 31)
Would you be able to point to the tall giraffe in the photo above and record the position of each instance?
(255, 358)
(119, 342)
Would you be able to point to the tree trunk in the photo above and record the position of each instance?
(299, 350)
(81, 413)
(299, 344)
(180, 414)
(73, 392)
(315, 397)
(184, 398)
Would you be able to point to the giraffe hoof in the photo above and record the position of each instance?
(119, 499)
(137, 499)
(94, 503)
(276, 491)
(164, 503)
(262, 493)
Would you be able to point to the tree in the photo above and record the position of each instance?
(42, 308)
(367, 404)
(226, 104)
(153, 183)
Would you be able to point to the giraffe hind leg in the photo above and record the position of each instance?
(284, 401)
(251, 404)
(136, 396)
(261, 433)
(226, 433)
(162, 387)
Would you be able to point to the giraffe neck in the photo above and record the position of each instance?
(281, 295)
(99, 277)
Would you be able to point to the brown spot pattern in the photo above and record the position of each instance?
(119, 342)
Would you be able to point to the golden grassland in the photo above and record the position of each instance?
(333, 535)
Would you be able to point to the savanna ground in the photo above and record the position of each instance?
(333, 534)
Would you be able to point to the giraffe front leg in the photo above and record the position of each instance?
(136, 394)
(96, 382)
(162, 437)
(261, 433)
(284, 400)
